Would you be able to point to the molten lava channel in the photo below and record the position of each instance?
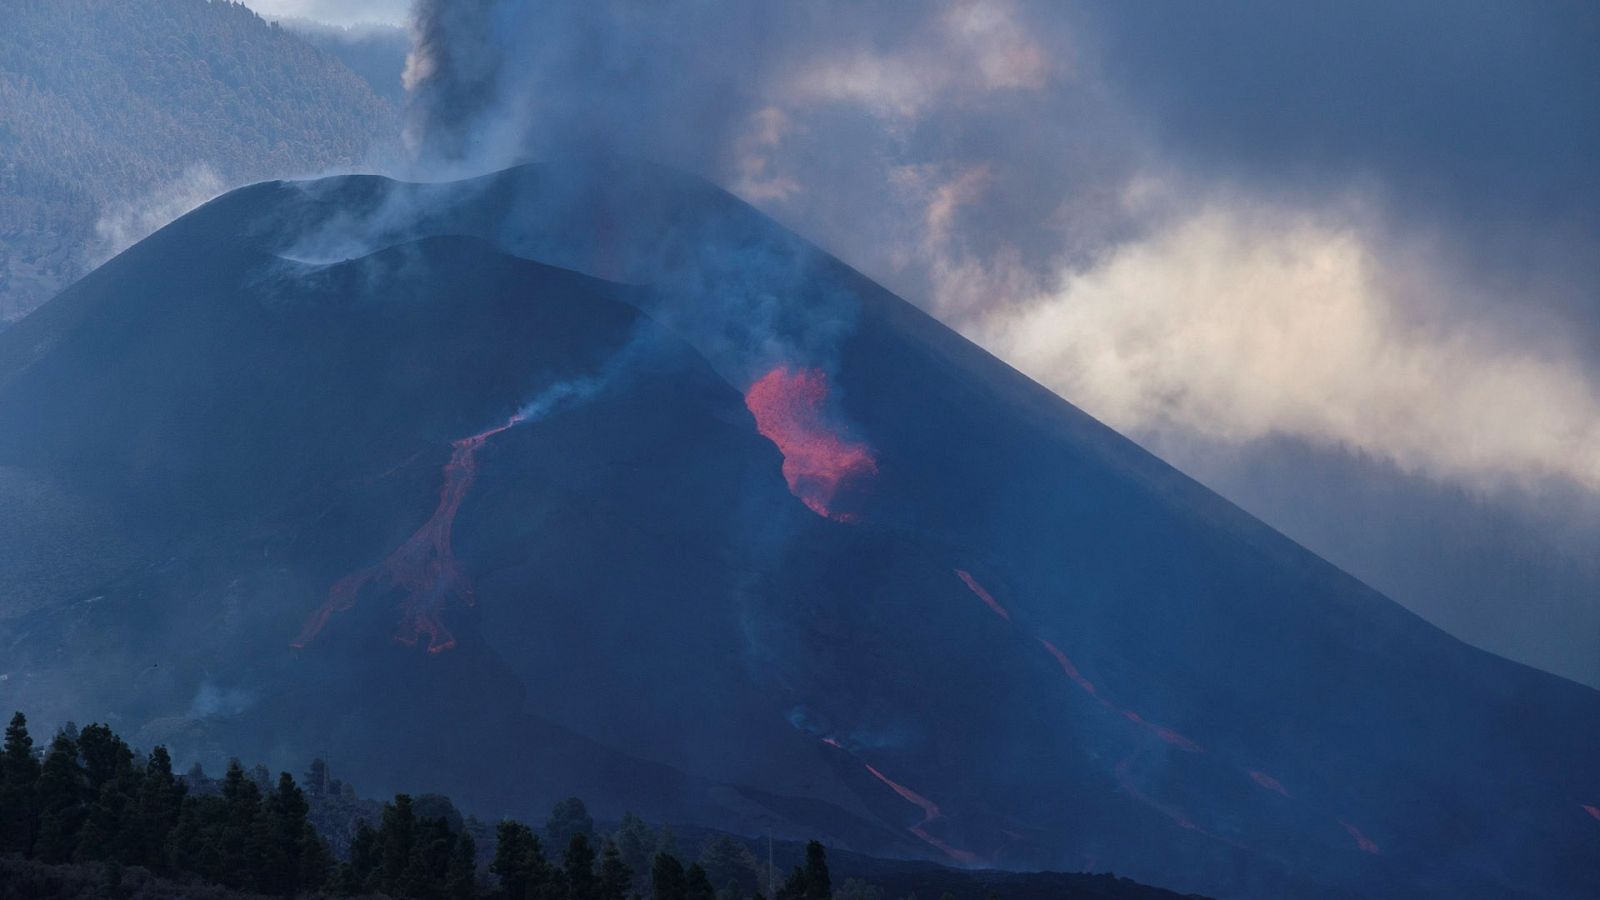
(424, 568)
(930, 814)
(1362, 841)
(790, 408)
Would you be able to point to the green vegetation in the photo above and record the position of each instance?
(119, 115)
(93, 799)
(90, 817)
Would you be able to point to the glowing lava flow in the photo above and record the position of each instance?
(1362, 841)
(788, 406)
(930, 814)
(1164, 733)
(1071, 670)
(424, 567)
(985, 596)
(1268, 782)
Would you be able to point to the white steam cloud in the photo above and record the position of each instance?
(121, 225)
(1237, 327)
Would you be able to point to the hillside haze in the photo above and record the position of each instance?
(588, 478)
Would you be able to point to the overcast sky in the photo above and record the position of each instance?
(1338, 261)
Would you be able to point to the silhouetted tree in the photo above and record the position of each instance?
(667, 878)
(461, 881)
(397, 838)
(819, 885)
(159, 807)
(60, 798)
(240, 843)
(578, 864)
(793, 887)
(696, 885)
(615, 878)
(567, 818)
(727, 860)
(293, 856)
(514, 851)
(636, 842)
(317, 778)
(19, 785)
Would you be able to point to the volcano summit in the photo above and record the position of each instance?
(591, 474)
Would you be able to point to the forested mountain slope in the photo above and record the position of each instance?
(117, 116)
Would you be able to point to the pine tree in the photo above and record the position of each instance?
(240, 843)
(514, 848)
(104, 756)
(578, 863)
(293, 857)
(60, 801)
(317, 778)
(567, 818)
(461, 883)
(159, 807)
(727, 860)
(794, 888)
(819, 886)
(19, 785)
(667, 878)
(696, 885)
(636, 842)
(364, 858)
(615, 876)
(397, 838)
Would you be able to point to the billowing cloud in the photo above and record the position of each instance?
(1239, 326)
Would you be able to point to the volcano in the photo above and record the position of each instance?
(587, 478)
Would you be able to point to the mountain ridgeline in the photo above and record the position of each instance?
(586, 478)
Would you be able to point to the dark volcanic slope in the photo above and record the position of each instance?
(748, 542)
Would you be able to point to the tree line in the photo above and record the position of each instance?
(90, 798)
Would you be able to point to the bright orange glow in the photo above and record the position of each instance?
(424, 567)
(789, 406)
(1268, 782)
(985, 596)
(1362, 841)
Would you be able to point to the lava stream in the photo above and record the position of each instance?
(985, 596)
(1070, 669)
(425, 566)
(1163, 732)
(1362, 841)
(789, 405)
(930, 814)
(1268, 782)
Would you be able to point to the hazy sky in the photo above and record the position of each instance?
(335, 12)
(1338, 261)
